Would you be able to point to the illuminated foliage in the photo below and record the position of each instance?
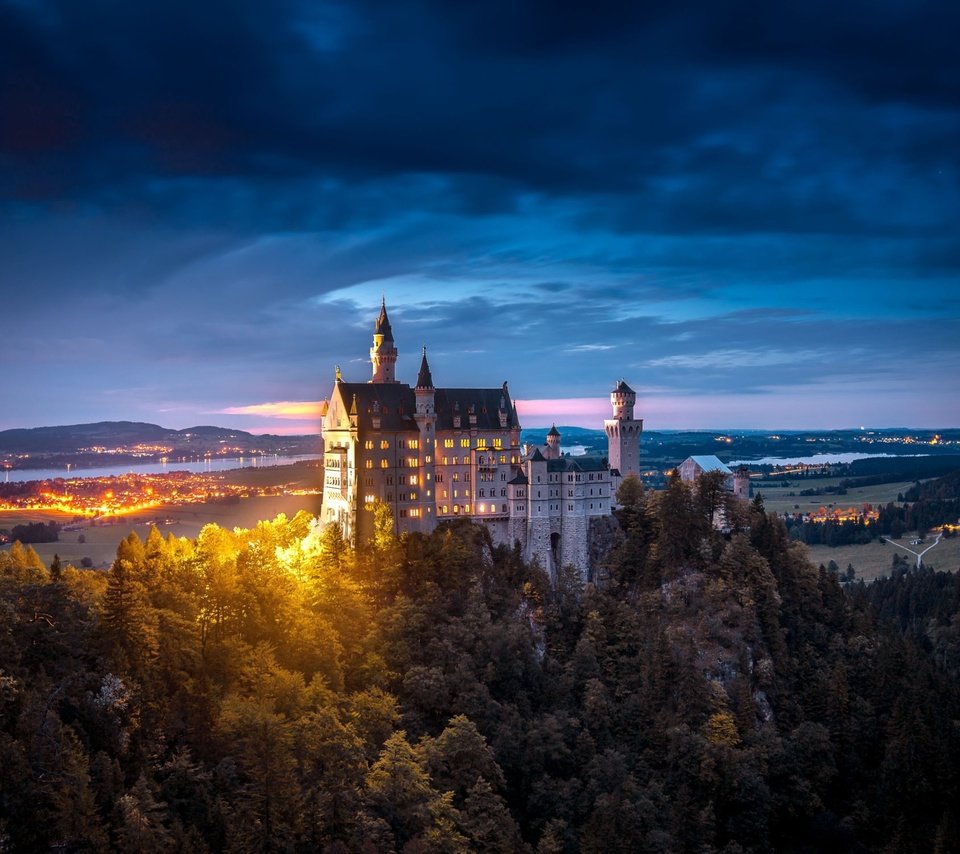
(272, 689)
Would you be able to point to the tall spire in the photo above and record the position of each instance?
(383, 353)
(382, 326)
(424, 379)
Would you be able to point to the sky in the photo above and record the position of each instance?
(749, 211)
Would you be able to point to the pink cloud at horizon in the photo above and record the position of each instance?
(297, 410)
(663, 409)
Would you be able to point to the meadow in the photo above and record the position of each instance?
(778, 498)
(182, 521)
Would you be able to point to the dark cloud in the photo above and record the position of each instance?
(219, 192)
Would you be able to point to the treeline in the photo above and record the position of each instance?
(34, 532)
(830, 532)
(922, 515)
(925, 605)
(272, 689)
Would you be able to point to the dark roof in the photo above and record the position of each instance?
(397, 404)
(382, 326)
(537, 457)
(519, 480)
(424, 380)
(622, 387)
(553, 431)
(485, 403)
(578, 464)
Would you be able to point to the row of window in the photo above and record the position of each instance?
(412, 444)
(480, 443)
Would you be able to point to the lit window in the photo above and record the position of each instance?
(482, 508)
(464, 443)
(498, 443)
(368, 464)
(383, 464)
(466, 508)
(456, 509)
(413, 480)
(448, 443)
(415, 511)
(368, 444)
(369, 499)
(384, 444)
(413, 444)
(503, 459)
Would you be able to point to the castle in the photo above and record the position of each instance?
(434, 454)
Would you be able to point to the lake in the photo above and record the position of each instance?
(816, 459)
(199, 465)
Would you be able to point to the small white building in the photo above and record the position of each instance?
(737, 482)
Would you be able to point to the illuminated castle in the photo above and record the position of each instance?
(433, 454)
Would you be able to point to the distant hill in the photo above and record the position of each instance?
(85, 444)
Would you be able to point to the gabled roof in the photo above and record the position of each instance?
(708, 462)
(582, 464)
(537, 457)
(519, 480)
(395, 403)
(623, 388)
(485, 403)
(553, 431)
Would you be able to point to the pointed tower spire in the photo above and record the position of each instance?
(383, 353)
(424, 379)
(382, 326)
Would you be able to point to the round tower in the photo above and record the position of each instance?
(741, 483)
(383, 353)
(623, 431)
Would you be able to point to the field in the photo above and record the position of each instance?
(874, 559)
(778, 499)
(180, 520)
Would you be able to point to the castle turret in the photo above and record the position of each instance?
(383, 353)
(425, 391)
(741, 483)
(623, 431)
(553, 443)
(426, 420)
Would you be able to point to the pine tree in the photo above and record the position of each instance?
(128, 624)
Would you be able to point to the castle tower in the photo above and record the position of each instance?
(623, 431)
(426, 419)
(741, 483)
(553, 443)
(425, 392)
(383, 353)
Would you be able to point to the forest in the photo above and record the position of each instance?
(275, 690)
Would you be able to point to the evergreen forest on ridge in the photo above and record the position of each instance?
(274, 690)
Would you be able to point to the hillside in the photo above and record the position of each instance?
(273, 690)
(127, 441)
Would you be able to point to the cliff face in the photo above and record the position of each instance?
(604, 536)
